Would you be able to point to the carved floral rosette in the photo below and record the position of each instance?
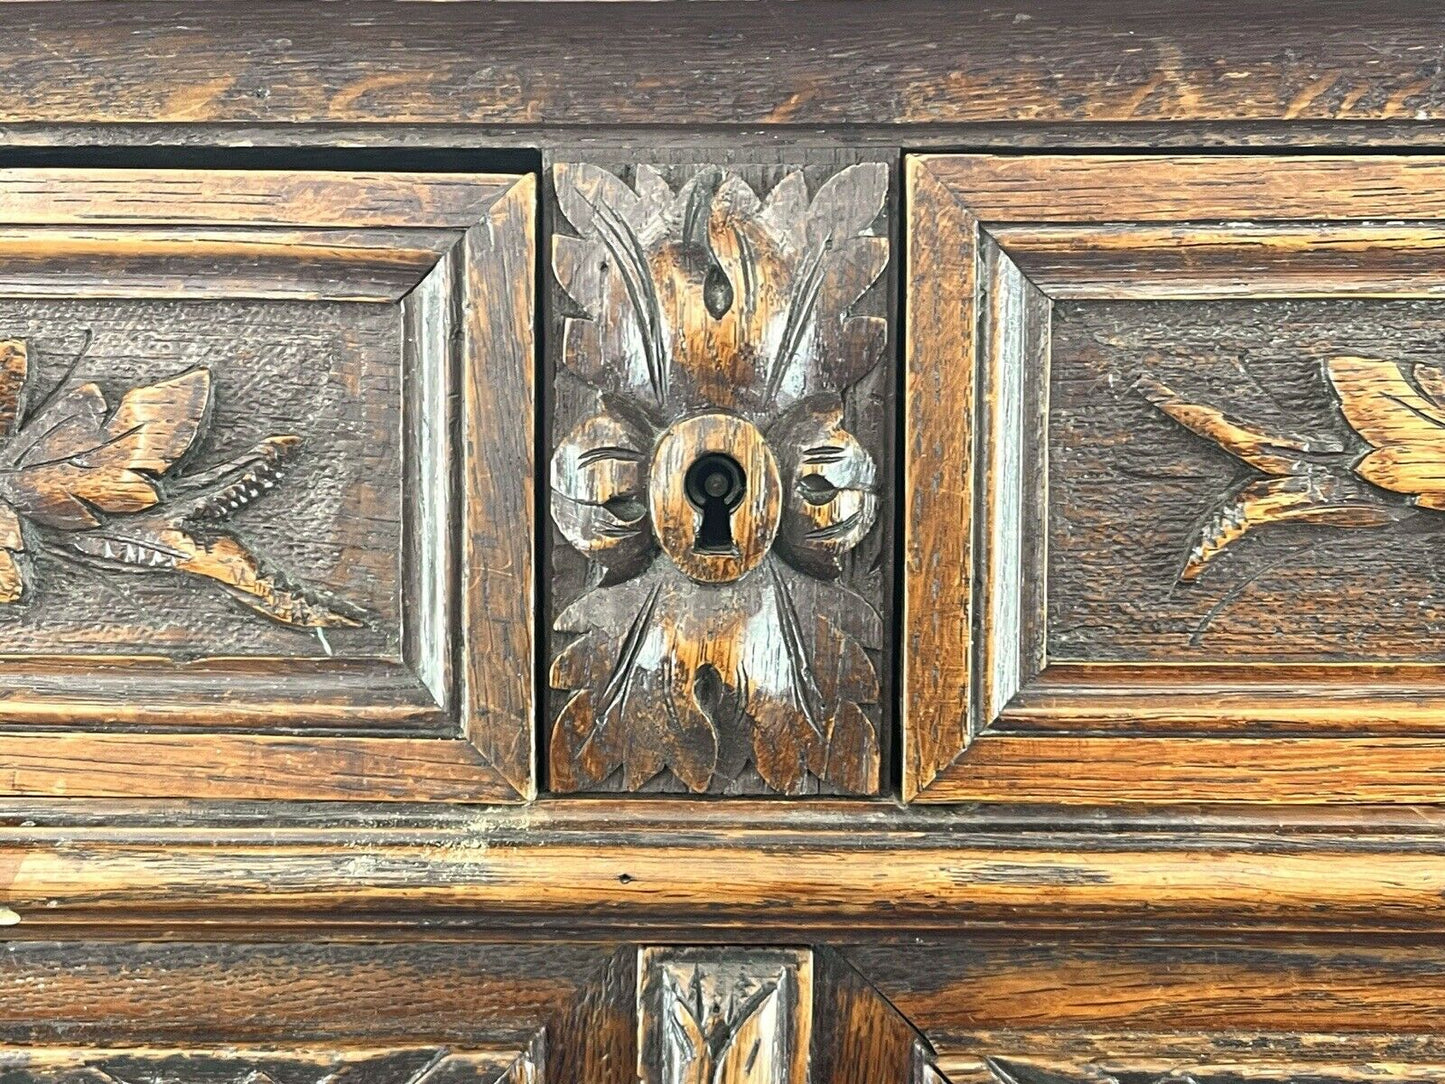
(713, 321)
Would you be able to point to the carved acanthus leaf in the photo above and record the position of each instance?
(714, 328)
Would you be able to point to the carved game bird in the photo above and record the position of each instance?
(1395, 408)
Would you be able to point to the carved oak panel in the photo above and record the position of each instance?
(719, 457)
(1191, 555)
(419, 1065)
(265, 477)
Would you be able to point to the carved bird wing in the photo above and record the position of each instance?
(70, 460)
(1402, 422)
(1261, 449)
(1316, 497)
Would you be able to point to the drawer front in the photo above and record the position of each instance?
(265, 484)
(1174, 471)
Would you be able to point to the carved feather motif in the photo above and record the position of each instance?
(1393, 409)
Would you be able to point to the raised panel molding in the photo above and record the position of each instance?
(718, 478)
(1186, 560)
(173, 343)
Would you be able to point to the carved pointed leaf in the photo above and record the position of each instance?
(686, 1046)
(806, 679)
(1404, 426)
(755, 1046)
(1264, 451)
(148, 544)
(622, 344)
(1317, 497)
(219, 493)
(635, 704)
(70, 462)
(14, 371)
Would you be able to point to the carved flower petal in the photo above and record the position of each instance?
(599, 491)
(830, 487)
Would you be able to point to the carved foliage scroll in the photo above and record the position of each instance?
(102, 487)
(710, 1016)
(717, 457)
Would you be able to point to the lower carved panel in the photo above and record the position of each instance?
(277, 1065)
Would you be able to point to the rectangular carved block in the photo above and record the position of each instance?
(725, 1016)
(719, 461)
(1201, 408)
(265, 484)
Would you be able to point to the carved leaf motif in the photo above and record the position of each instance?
(1316, 497)
(703, 318)
(741, 1042)
(785, 650)
(14, 367)
(146, 544)
(70, 460)
(1267, 452)
(713, 297)
(12, 547)
(1404, 426)
(1308, 483)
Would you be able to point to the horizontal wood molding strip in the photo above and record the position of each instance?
(1166, 262)
(251, 198)
(713, 870)
(812, 63)
(1288, 770)
(250, 766)
(1055, 188)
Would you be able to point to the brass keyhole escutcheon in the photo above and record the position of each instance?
(715, 496)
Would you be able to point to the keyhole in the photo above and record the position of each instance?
(715, 485)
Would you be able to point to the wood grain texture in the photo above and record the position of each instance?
(1260, 261)
(938, 487)
(714, 329)
(1050, 188)
(738, 871)
(497, 588)
(804, 65)
(523, 1013)
(50, 1065)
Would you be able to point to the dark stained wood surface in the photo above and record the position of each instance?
(807, 64)
(171, 598)
(734, 317)
(1143, 871)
